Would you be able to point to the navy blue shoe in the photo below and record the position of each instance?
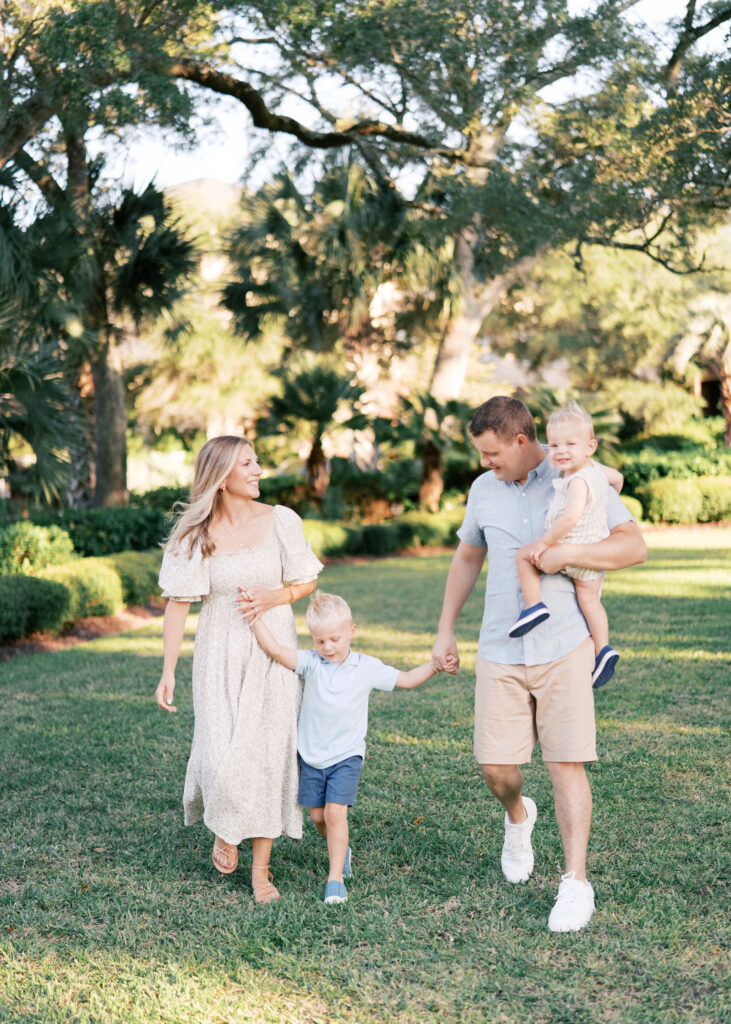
(335, 892)
(604, 666)
(529, 619)
(348, 865)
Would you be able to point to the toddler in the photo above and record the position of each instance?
(577, 514)
(334, 720)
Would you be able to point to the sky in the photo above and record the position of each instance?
(223, 148)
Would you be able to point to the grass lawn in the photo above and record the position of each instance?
(110, 911)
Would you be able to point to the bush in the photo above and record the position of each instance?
(633, 506)
(138, 572)
(703, 500)
(716, 492)
(160, 498)
(326, 538)
(29, 605)
(650, 463)
(94, 588)
(105, 531)
(25, 547)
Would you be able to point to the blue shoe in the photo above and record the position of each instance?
(529, 619)
(348, 865)
(606, 662)
(335, 892)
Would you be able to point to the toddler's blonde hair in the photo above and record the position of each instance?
(573, 411)
(326, 608)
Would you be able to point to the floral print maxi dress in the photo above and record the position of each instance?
(242, 776)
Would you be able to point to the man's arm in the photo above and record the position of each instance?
(623, 547)
(463, 574)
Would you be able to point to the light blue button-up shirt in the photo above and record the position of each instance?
(334, 718)
(503, 516)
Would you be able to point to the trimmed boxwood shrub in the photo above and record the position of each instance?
(95, 588)
(138, 572)
(25, 547)
(648, 464)
(29, 605)
(633, 506)
(326, 538)
(703, 500)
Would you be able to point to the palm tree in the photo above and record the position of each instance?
(313, 396)
(434, 428)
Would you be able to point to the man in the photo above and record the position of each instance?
(538, 686)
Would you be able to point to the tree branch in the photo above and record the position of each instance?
(688, 36)
(40, 176)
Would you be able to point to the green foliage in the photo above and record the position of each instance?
(160, 498)
(138, 572)
(25, 547)
(102, 531)
(327, 539)
(649, 464)
(94, 588)
(701, 500)
(31, 605)
(411, 530)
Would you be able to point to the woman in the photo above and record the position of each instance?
(237, 555)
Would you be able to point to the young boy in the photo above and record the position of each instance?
(334, 720)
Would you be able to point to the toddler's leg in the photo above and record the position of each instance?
(318, 818)
(535, 611)
(587, 594)
(529, 576)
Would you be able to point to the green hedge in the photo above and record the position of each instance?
(25, 547)
(105, 531)
(29, 605)
(413, 529)
(138, 572)
(648, 464)
(94, 588)
(703, 500)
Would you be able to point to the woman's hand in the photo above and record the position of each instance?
(164, 692)
(252, 602)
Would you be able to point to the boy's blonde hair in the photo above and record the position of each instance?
(572, 412)
(326, 608)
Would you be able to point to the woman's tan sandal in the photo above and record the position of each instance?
(225, 856)
(264, 892)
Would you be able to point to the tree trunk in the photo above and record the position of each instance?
(432, 482)
(724, 376)
(110, 417)
(450, 366)
(317, 474)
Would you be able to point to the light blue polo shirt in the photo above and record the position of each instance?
(503, 516)
(333, 721)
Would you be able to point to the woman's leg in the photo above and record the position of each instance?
(261, 883)
(588, 596)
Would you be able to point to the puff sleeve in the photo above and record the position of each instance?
(299, 563)
(184, 574)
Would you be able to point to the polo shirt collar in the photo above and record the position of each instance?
(352, 659)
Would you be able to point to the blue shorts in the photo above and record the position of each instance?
(337, 784)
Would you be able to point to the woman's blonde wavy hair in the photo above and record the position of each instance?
(214, 462)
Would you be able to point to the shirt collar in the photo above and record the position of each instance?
(352, 659)
(541, 471)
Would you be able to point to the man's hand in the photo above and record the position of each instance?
(550, 560)
(444, 653)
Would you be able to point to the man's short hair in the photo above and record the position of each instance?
(326, 608)
(506, 417)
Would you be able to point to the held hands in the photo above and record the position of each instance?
(536, 550)
(252, 602)
(164, 692)
(444, 655)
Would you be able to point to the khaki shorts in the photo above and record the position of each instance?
(515, 705)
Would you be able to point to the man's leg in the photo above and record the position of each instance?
(505, 781)
(572, 800)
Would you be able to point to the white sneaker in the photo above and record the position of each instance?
(574, 905)
(517, 857)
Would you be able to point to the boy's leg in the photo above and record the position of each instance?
(336, 833)
(318, 819)
(588, 595)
